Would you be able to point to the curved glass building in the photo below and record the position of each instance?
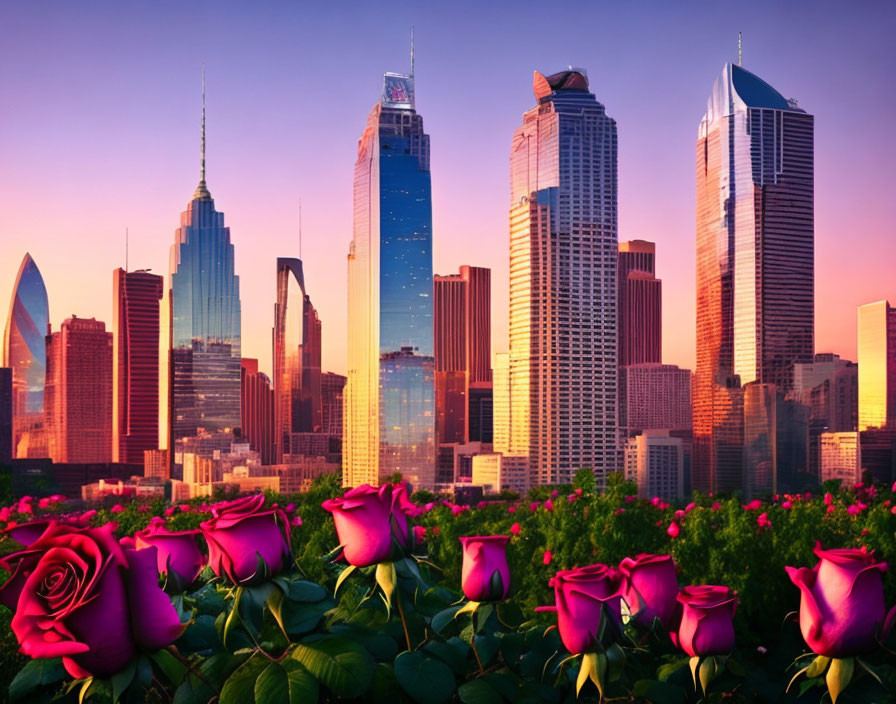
(389, 397)
(25, 351)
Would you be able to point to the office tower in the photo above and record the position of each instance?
(5, 415)
(877, 365)
(257, 410)
(204, 300)
(501, 425)
(808, 375)
(297, 355)
(156, 464)
(841, 457)
(760, 440)
(332, 388)
(79, 391)
(497, 472)
(563, 255)
(755, 243)
(480, 401)
(135, 364)
(25, 352)
(639, 304)
(654, 396)
(389, 395)
(657, 463)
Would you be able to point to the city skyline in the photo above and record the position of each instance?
(808, 68)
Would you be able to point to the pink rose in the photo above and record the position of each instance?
(706, 626)
(79, 596)
(246, 542)
(485, 575)
(674, 530)
(515, 529)
(842, 609)
(419, 533)
(584, 598)
(650, 588)
(28, 533)
(178, 552)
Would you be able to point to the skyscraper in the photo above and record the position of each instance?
(654, 397)
(755, 261)
(877, 365)
(204, 300)
(25, 351)
(79, 392)
(5, 415)
(135, 364)
(257, 410)
(332, 389)
(563, 256)
(389, 398)
(297, 355)
(640, 303)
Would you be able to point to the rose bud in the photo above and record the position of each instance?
(842, 611)
(178, 553)
(247, 542)
(78, 596)
(485, 575)
(706, 626)
(650, 588)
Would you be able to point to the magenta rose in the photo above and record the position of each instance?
(842, 610)
(28, 533)
(588, 600)
(78, 595)
(247, 542)
(707, 626)
(650, 588)
(372, 523)
(178, 552)
(485, 575)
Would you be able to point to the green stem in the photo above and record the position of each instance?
(404, 623)
(473, 644)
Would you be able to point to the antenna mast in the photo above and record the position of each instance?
(412, 51)
(740, 50)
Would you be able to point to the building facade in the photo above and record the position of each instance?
(5, 415)
(657, 463)
(755, 261)
(135, 364)
(563, 256)
(257, 410)
(389, 395)
(877, 365)
(639, 304)
(332, 390)
(654, 396)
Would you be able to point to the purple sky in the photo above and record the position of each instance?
(100, 120)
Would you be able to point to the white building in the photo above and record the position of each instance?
(497, 472)
(656, 462)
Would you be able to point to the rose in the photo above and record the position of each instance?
(706, 626)
(842, 609)
(485, 575)
(372, 523)
(246, 542)
(79, 596)
(28, 533)
(178, 553)
(650, 588)
(588, 601)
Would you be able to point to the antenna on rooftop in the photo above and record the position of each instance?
(740, 49)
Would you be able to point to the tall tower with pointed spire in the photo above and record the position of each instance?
(204, 327)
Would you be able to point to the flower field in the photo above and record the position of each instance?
(566, 595)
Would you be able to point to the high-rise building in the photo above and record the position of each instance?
(480, 401)
(639, 304)
(204, 301)
(5, 415)
(389, 394)
(257, 410)
(654, 396)
(25, 351)
(877, 365)
(135, 364)
(501, 426)
(156, 464)
(297, 357)
(657, 463)
(760, 440)
(332, 388)
(755, 260)
(79, 392)
(840, 457)
(808, 375)
(563, 256)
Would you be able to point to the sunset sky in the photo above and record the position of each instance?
(99, 131)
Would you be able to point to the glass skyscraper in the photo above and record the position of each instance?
(389, 397)
(25, 351)
(755, 262)
(563, 257)
(204, 294)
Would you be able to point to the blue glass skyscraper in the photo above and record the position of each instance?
(389, 399)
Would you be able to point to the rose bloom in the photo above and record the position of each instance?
(178, 552)
(842, 609)
(372, 523)
(78, 595)
(247, 542)
(650, 588)
(485, 575)
(584, 597)
(706, 626)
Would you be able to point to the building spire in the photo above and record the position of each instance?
(202, 192)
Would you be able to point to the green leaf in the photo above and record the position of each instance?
(817, 666)
(443, 618)
(35, 673)
(384, 687)
(272, 685)
(342, 577)
(487, 647)
(303, 688)
(512, 648)
(839, 675)
(454, 653)
(240, 686)
(386, 578)
(478, 691)
(707, 672)
(172, 668)
(615, 662)
(664, 672)
(655, 691)
(341, 665)
(694, 662)
(122, 680)
(304, 591)
(233, 616)
(426, 680)
(504, 683)
(584, 671)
